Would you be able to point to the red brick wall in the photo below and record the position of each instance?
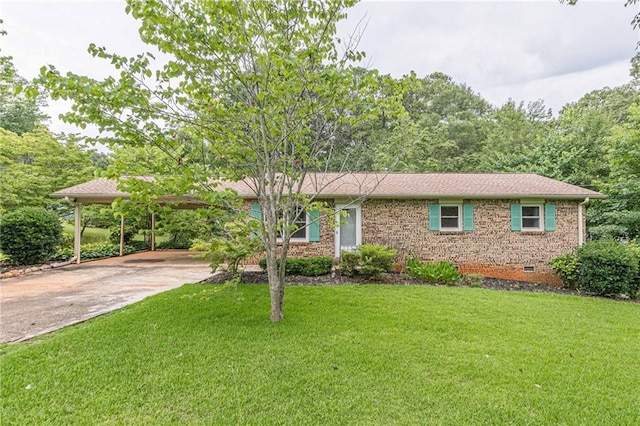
(491, 249)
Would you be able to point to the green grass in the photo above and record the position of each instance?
(90, 235)
(363, 354)
(98, 235)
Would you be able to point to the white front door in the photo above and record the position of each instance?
(349, 228)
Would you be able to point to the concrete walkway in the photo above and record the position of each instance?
(45, 301)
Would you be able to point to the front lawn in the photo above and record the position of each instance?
(365, 354)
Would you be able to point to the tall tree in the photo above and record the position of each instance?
(18, 114)
(33, 165)
(254, 91)
(446, 129)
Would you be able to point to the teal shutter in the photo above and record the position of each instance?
(434, 217)
(467, 217)
(256, 213)
(549, 217)
(516, 217)
(314, 226)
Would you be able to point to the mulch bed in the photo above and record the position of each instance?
(398, 279)
(393, 279)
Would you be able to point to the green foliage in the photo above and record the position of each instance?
(566, 267)
(607, 268)
(18, 113)
(30, 235)
(98, 250)
(175, 244)
(349, 263)
(33, 165)
(471, 280)
(442, 272)
(235, 244)
(635, 247)
(306, 266)
(369, 261)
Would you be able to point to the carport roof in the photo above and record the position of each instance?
(377, 185)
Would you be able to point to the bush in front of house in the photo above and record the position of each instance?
(603, 267)
(471, 280)
(566, 267)
(369, 261)
(30, 235)
(635, 247)
(607, 267)
(306, 266)
(442, 272)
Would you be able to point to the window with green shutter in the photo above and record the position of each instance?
(256, 212)
(434, 217)
(450, 217)
(467, 215)
(533, 217)
(314, 226)
(516, 217)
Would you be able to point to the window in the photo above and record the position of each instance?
(531, 219)
(449, 218)
(307, 224)
(300, 234)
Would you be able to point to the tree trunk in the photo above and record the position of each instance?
(276, 278)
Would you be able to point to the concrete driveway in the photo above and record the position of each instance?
(45, 301)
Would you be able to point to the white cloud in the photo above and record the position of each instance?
(559, 90)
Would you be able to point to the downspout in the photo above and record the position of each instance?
(580, 221)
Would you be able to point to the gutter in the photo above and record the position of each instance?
(580, 221)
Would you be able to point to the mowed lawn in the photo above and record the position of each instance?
(362, 354)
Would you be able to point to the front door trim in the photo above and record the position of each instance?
(358, 209)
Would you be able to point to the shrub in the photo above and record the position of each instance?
(442, 272)
(130, 232)
(369, 261)
(98, 250)
(349, 263)
(235, 244)
(375, 260)
(607, 268)
(305, 266)
(30, 235)
(566, 267)
(181, 243)
(635, 286)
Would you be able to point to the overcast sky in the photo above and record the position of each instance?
(510, 49)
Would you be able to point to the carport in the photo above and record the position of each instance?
(105, 191)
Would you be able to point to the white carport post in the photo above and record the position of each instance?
(121, 234)
(76, 231)
(153, 231)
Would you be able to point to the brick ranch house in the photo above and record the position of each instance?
(506, 225)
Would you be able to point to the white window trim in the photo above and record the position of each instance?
(460, 218)
(540, 215)
(306, 233)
